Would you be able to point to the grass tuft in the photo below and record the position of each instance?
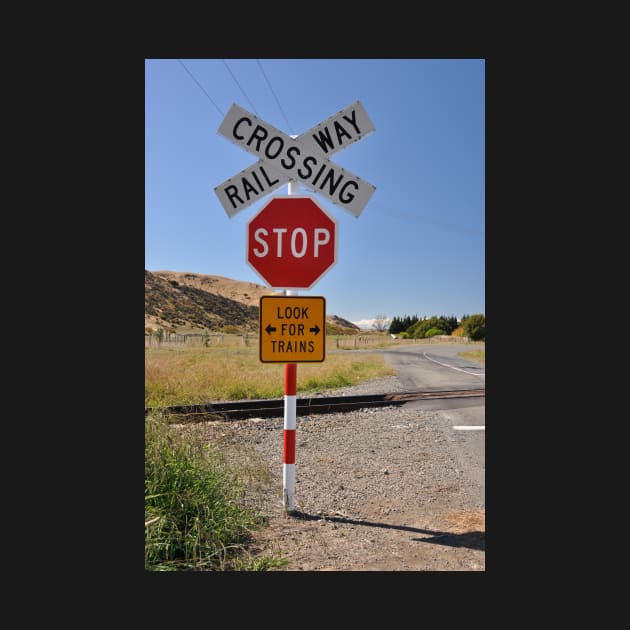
(194, 515)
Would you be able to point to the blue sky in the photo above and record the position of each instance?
(418, 245)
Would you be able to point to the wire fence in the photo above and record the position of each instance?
(200, 339)
(251, 339)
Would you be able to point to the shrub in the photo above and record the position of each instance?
(475, 327)
(434, 331)
(230, 329)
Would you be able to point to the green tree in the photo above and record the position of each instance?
(394, 325)
(475, 327)
(449, 323)
(419, 329)
(400, 324)
(433, 331)
(446, 324)
(409, 321)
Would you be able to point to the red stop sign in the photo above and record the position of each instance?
(291, 242)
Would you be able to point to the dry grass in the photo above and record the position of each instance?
(474, 355)
(186, 376)
(465, 522)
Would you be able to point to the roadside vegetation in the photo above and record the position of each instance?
(189, 376)
(414, 327)
(474, 355)
(194, 516)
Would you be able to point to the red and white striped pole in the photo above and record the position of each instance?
(288, 467)
(290, 399)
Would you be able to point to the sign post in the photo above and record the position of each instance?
(290, 414)
(292, 241)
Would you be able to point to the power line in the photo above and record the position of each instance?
(274, 95)
(239, 85)
(201, 87)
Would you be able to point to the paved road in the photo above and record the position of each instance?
(431, 367)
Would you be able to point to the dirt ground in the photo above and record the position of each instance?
(376, 490)
(412, 540)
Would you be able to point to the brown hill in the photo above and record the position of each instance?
(181, 307)
(180, 301)
(248, 293)
(336, 325)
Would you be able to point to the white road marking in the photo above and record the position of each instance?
(454, 368)
(470, 427)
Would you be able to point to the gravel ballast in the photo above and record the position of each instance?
(377, 489)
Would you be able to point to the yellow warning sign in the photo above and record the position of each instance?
(292, 329)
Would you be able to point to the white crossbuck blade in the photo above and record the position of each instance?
(304, 159)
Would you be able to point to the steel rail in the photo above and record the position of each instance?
(271, 408)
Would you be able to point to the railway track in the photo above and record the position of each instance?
(272, 408)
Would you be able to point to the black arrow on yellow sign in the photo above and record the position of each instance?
(315, 329)
(270, 328)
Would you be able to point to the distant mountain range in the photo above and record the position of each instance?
(185, 302)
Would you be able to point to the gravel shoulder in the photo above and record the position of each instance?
(377, 489)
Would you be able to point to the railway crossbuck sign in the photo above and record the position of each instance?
(282, 158)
